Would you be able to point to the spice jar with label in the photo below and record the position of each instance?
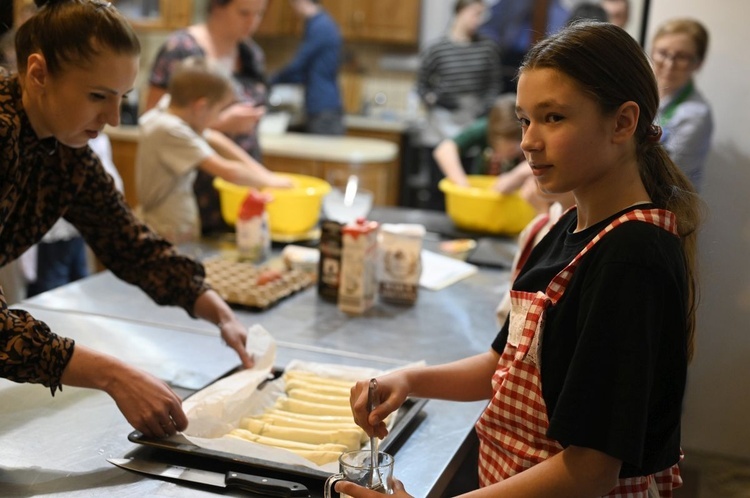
(253, 237)
(329, 264)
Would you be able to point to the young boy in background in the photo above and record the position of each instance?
(176, 141)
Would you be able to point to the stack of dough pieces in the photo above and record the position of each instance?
(313, 420)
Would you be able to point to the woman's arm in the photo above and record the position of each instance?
(147, 403)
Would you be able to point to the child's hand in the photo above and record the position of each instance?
(391, 393)
(279, 181)
(513, 179)
(239, 118)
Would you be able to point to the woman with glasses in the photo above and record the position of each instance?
(678, 50)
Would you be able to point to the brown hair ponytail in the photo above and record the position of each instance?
(72, 32)
(612, 68)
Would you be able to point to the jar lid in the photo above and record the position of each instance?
(360, 227)
(253, 205)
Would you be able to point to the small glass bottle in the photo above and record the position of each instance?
(253, 238)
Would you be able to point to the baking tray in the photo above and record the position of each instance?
(408, 417)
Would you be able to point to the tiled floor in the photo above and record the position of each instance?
(711, 476)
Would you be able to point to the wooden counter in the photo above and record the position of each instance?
(333, 159)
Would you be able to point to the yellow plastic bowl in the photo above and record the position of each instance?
(293, 211)
(478, 208)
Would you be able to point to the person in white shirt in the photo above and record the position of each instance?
(175, 143)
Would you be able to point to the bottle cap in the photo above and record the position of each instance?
(253, 205)
(360, 227)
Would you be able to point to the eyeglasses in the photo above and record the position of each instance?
(678, 59)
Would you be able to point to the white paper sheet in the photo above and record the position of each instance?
(438, 271)
(217, 409)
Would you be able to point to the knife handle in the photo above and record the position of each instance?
(265, 485)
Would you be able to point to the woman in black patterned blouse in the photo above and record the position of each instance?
(77, 59)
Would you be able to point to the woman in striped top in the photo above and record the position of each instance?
(458, 80)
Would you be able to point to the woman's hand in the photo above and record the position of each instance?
(391, 393)
(239, 118)
(147, 403)
(211, 307)
(356, 491)
(234, 334)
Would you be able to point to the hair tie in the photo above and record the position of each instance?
(654, 134)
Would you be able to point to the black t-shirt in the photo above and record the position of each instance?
(614, 349)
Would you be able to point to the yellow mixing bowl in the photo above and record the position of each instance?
(293, 211)
(478, 208)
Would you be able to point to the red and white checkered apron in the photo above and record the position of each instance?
(512, 430)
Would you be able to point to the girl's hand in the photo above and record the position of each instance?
(392, 392)
(356, 491)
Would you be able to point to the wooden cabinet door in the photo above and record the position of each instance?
(342, 12)
(157, 14)
(387, 21)
(279, 20)
(124, 152)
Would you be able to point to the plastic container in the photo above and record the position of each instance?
(479, 208)
(253, 238)
(293, 211)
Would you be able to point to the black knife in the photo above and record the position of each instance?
(237, 480)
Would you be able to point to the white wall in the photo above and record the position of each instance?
(717, 410)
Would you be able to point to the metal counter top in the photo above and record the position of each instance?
(58, 446)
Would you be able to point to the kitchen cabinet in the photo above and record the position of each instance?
(384, 21)
(380, 178)
(280, 20)
(381, 21)
(394, 167)
(124, 150)
(281, 164)
(333, 159)
(157, 14)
